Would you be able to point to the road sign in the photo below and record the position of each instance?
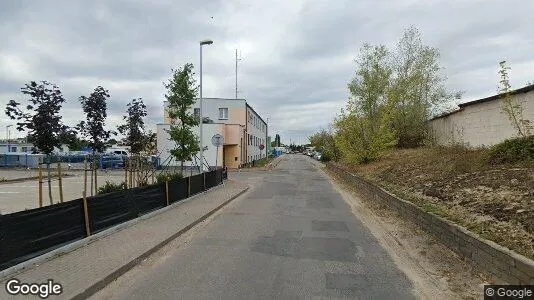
(217, 140)
(262, 146)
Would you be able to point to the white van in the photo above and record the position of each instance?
(117, 151)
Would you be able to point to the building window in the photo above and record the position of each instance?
(223, 113)
(13, 149)
(24, 149)
(196, 113)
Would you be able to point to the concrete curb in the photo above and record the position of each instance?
(506, 265)
(128, 266)
(16, 269)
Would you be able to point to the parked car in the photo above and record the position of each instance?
(317, 155)
(112, 162)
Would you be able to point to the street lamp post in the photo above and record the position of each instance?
(7, 138)
(202, 43)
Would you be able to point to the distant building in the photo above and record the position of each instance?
(16, 146)
(23, 147)
(243, 129)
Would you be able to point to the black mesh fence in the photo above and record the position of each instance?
(197, 184)
(30, 233)
(219, 176)
(148, 198)
(178, 189)
(26, 234)
(110, 209)
(211, 179)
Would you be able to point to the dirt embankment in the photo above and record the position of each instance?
(495, 201)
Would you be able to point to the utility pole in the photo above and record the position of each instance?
(236, 61)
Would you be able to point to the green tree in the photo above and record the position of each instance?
(150, 144)
(277, 142)
(134, 127)
(71, 139)
(324, 142)
(181, 95)
(363, 128)
(112, 142)
(417, 90)
(95, 109)
(510, 106)
(40, 117)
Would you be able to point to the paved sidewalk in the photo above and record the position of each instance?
(96, 262)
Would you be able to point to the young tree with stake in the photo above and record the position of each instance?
(134, 127)
(181, 95)
(95, 109)
(40, 118)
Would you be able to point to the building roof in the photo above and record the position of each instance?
(522, 90)
(256, 113)
(461, 106)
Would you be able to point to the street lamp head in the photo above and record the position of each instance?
(206, 42)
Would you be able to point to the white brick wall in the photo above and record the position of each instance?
(480, 125)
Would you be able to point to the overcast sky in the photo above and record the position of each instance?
(297, 55)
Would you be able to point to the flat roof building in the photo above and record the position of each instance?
(243, 129)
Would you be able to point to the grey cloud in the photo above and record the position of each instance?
(301, 51)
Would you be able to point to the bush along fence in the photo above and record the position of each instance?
(28, 234)
(505, 265)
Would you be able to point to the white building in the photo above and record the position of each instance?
(481, 123)
(22, 147)
(243, 130)
(15, 146)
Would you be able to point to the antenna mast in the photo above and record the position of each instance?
(236, 61)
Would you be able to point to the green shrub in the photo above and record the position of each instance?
(110, 187)
(162, 177)
(325, 157)
(513, 151)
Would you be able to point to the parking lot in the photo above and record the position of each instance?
(17, 196)
(22, 195)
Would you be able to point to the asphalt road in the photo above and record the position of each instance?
(291, 236)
